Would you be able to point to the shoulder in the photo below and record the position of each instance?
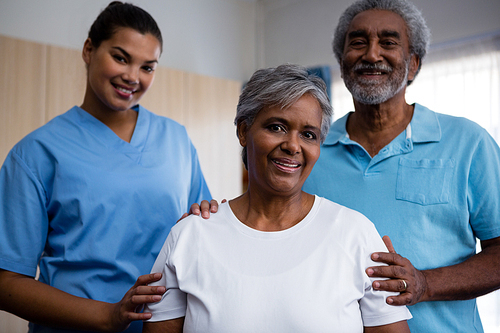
(346, 218)
(37, 142)
(161, 121)
(452, 124)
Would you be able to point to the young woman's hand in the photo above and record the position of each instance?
(130, 307)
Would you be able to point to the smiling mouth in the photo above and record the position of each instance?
(124, 90)
(287, 166)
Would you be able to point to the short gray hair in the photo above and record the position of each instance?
(419, 34)
(281, 86)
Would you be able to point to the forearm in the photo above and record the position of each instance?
(45, 305)
(475, 277)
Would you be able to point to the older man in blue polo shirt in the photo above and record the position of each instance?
(427, 180)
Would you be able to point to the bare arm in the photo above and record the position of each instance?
(478, 275)
(398, 327)
(40, 303)
(168, 326)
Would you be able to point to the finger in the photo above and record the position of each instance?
(205, 209)
(150, 290)
(223, 200)
(394, 285)
(137, 300)
(388, 244)
(214, 206)
(147, 278)
(391, 272)
(182, 217)
(403, 299)
(389, 258)
(194, 209)
(133, 316)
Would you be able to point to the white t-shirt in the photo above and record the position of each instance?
(226, 277)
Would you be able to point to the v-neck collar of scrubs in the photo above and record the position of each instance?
(424, 127)
(109, 138)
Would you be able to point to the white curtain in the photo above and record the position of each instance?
(460, 79)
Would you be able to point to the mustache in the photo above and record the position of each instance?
(378, 67)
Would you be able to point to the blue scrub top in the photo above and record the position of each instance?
(92, 209)
(433, 190)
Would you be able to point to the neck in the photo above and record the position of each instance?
(122, 123)
(375, 126)
(271, 213)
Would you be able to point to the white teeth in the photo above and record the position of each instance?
(287, 165)
(124, 90)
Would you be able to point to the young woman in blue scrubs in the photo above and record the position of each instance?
(90, 197)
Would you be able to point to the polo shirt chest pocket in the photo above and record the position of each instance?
(425, 182)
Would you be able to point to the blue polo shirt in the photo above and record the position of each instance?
(433, 190)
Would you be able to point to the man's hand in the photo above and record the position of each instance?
(403, 277)
(205, 208)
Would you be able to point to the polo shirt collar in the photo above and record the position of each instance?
(424, 126)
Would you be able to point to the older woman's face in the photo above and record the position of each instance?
(283, 145)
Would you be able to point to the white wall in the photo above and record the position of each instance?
(231, 38)
(301, 31)
(214, 38)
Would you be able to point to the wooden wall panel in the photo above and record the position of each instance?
(211, 107)
(66, 80)
(166, 96)
(22, 95)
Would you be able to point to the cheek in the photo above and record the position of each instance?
(147, 81)
(313, 155)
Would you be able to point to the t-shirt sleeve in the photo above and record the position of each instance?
(374, 309)
(482, 195)
(174, 302)
(23, 217)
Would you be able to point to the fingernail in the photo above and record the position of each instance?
(376, 285)
(156, 298)
(205, 214)
(390, 301)
(369, 271)
(375, 256)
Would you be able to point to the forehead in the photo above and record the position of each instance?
(376, 22)
(134, 42)
(305, 110)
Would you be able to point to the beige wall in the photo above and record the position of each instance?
(39, 82)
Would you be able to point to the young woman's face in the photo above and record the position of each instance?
(282, 146)
(120, 70)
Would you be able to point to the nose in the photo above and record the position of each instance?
(290, 144)
(131, 75)
(373, 53)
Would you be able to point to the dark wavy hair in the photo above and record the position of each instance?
(122, 15)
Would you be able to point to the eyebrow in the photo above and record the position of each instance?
(363, 33)
(284, 121)
(129, 56)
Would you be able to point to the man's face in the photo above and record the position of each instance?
(376, 63)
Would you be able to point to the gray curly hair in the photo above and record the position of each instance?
(281, 86)
(418, 33)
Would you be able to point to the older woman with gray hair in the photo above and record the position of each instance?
(275, 259)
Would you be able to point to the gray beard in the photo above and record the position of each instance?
(366, 92)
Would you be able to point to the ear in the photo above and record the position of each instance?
(413, 68)
(242, 133)
(87, 51)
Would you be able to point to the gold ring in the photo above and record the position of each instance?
(405, 285)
